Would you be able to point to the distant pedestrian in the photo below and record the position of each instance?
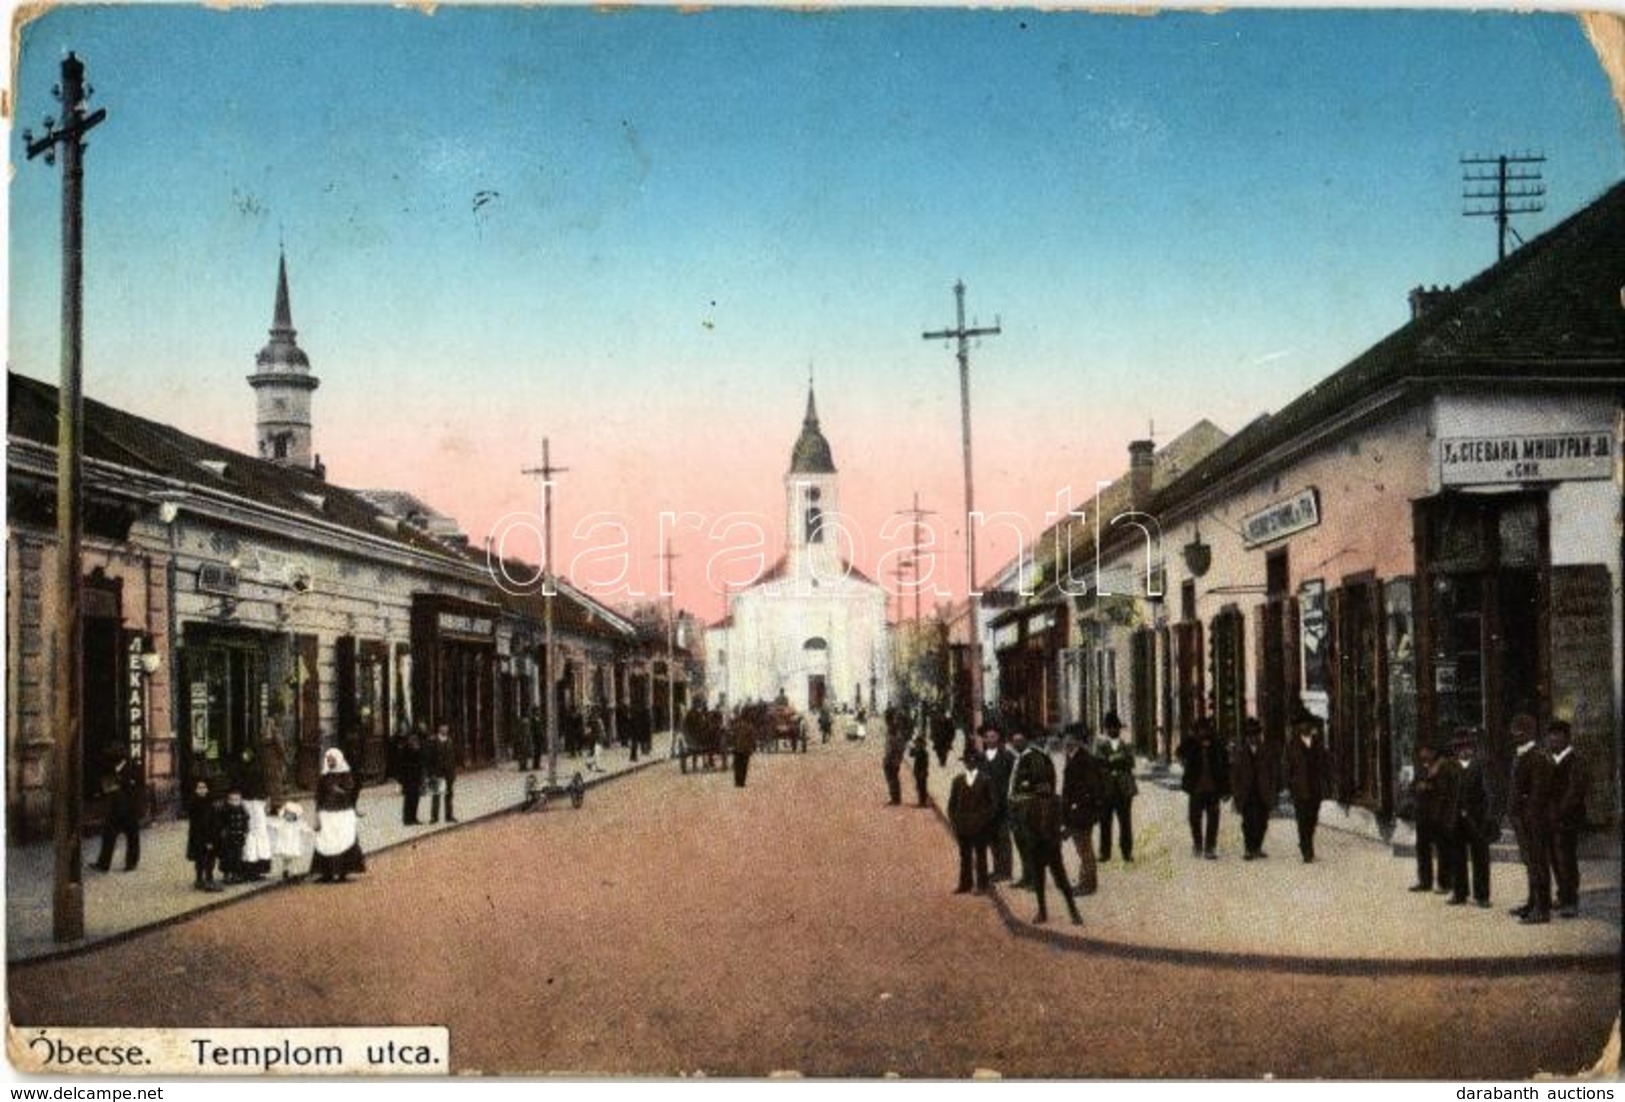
(1429, 791)
(743, 730)
(1205, 782)
(825, 725)
(891, 762)
(338, 844)
(970, 812)
(942, 737)
(1117, 759)
(409, 771)
(1083, 791)
(440, 770)
(1470, 834)
(593, 738)
(288, 837)
(536, 731)
(1568, 815)
(1308, 777)
(920, 755)
(120, 785)
(202, 837)
(1253, 787)
(1529, 808)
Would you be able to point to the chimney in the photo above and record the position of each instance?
(1426, 300)
(1139, 474)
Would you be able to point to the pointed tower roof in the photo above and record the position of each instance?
(282, 351)
(811, 455)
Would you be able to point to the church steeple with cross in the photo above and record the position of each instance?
(811, 497)
(282, 384)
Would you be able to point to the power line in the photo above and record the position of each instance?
(1514, 187)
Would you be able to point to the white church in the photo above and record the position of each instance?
(814, 627)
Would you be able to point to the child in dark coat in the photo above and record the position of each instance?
(202, 837)
(233, 837)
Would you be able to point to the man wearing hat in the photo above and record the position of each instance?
(1471, 824)
(1529, 808)
(1083, 790)
(999, 763)
(1032, 780)
(970, 812)
(1206, 781)
(1117, 760)
(1434, 790)
(1252, 785)
(1568, 816)
(1308, 777)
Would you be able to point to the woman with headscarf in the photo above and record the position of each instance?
(338, 850)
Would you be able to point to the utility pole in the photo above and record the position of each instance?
(549, 591)
(963, 335)
(68, 896)
(1516, 188)
(668, 556)
(916, 514)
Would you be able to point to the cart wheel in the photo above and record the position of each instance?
(578, 791)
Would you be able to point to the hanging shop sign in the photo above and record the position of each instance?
(1282, 518)
(1533, 457)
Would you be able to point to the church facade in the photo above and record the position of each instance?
(813, 629)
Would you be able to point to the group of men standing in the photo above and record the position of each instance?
(1007, 804)
(1545, 803)
(425, 763)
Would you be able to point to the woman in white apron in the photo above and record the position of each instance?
(338, 849)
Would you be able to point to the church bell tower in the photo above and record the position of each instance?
(282, 384)
(812, 502)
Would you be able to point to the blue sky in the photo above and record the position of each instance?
(1175, 217)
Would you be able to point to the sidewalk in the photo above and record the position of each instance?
(1348, 912)
(160, 890)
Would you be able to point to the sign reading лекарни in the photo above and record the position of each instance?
(1534, 457)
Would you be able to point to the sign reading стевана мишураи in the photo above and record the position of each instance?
(1534, 457)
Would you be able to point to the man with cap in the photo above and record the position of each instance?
(1471, 824)
(1083, 789)
(1252, 786)
(1117, 760)
(1433, 790)
(1308, 777)
(1568, 816)
(1529, 808)
(970, 813)
(1206, 781)
(999, 763)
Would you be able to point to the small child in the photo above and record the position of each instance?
(202, 837)
(288, 838)
(233, 836)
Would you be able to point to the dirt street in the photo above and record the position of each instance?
(678, 924)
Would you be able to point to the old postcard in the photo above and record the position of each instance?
(850, 543)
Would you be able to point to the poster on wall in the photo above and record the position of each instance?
(1312, 628)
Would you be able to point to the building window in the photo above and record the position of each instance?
(815, 517)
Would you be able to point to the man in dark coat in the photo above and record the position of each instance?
(942, 736)
(1117, 759)
(999, 763)
(441, 759)
(1083, 790)
(120, 785)
(1471, 826)
(891, 763)
(1253, 788)
(1205, 782)
(970, 812)
(1308, 777)
(203, 836)
(743, 730)
(1568, 816)
(920, 758)
(1529, 808)
(1433, 785)
(409, 771)
(1032, 779)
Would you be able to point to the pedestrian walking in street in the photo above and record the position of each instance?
(743, 730)
(594, 740)
(338, 843)
(1205, 782)
(891, 761)
(1083, 792)
(999, 763)
(1428, 793)
(1568, 815)
(121, 790)
(970, 812)
(1472, 827)
(1117, 759)
(920, 757)
(440, 768)
(1253, 787)
(1529, 808)
(1041, 815)
(289, 836)
(409, 771)
(825, 725)
(202, 836)
(1308, 777)
(233, 837)
(1032, 778)
(942, 736)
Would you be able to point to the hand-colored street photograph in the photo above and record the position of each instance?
(646, 543)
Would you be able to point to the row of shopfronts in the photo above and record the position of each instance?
(241, 617)
(1427, 541)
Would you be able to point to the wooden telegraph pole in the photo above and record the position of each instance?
(964, 336)
(668, 556)
(1516, 188)
(68, 899)
(915, 515)
(549, 591)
